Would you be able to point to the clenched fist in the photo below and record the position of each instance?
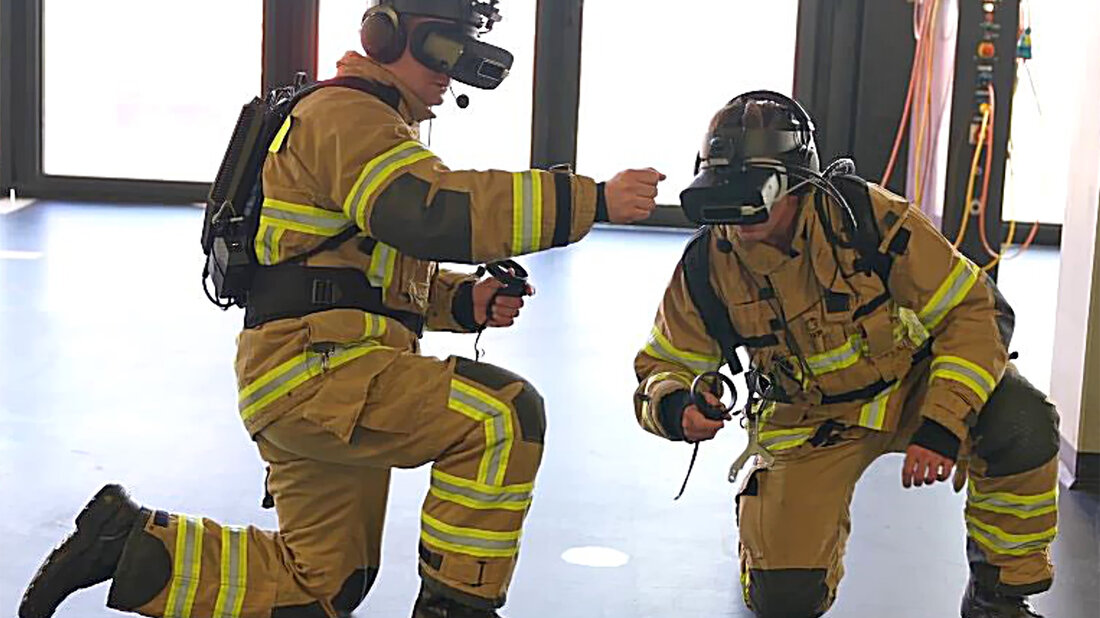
(631, 195)
(505, 309)
(697, 427)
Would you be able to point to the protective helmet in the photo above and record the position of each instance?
(451, 46)
(759, 148)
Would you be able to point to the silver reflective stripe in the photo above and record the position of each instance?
(310, 364)
(528, 213)
(1011, 547)
(325, 225)
(377, 169)
(784, 438)
(468, 541)
(479, 496)
(980, 381)
(380, 260)
(873, 414)
(962, 277)
(499, 430)
(981, 503)
(837, 359)
(658, 349)
(185, 578)
(234, 569)
(268, 257)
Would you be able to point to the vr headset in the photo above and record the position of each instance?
(451, 47)
(740, 173)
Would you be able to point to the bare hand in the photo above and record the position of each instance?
(505, 308)
(924, 467)
(631, 195)
(697, 427)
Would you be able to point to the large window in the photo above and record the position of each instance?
(146, 90)
(652, 77)
(1046, 97)
(494, 132)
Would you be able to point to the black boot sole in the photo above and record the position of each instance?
(43, 594)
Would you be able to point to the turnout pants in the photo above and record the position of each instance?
(794, 517)
(482, 429)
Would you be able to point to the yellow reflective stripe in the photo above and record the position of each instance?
(1001, 542)
(293, 373)
(838, 358)
(186, 568)
(873, 414)
(277, 143)
(476, 495)
(375, 326)
(496, 418)
(660, 347)
(950, 293)
(302, 218)
(785, 439)
(470, 541)
(375, 173)
(1024, 507)
(961, 370)
(383, 260)
(745, 586)
(526, 212)
(234, 573)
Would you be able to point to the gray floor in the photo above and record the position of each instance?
(113, 367)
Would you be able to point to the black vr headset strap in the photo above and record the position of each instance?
(711, 309)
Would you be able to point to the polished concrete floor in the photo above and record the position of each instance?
(113, 367)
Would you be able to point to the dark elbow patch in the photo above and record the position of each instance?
(1006, 317)
(439, 230)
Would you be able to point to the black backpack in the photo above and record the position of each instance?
(236, 198)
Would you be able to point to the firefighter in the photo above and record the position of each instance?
(867, 334)
(331, 385)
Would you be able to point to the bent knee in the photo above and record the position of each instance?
(789, 593)
(1017, 430)
(527, 403)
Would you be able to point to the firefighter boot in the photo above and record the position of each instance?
(433, 605)
(87, 557)
(980, 602)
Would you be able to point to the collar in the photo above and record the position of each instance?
(412, 109)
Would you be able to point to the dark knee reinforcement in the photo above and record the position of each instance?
(528, 403)
(789, 593)
(1017, 429)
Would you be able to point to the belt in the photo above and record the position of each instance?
(293, 291)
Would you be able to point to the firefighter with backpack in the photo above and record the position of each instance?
(867, 334)
(338, 274)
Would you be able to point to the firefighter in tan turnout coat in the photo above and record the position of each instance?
(335, 398)
(902, 347)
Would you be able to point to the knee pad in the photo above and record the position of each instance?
(1017, 429)
(789, 593)
(354, 590)
(530, 410)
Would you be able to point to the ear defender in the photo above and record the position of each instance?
(382, 34)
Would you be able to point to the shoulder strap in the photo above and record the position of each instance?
(388, 94)
(868, 235)
(716, 320)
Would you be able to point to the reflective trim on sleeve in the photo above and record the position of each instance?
(961, 370)
(280, 136)
(526, 212)
(660, 347)
(375, 327)
(376, 172)
(950, 293)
